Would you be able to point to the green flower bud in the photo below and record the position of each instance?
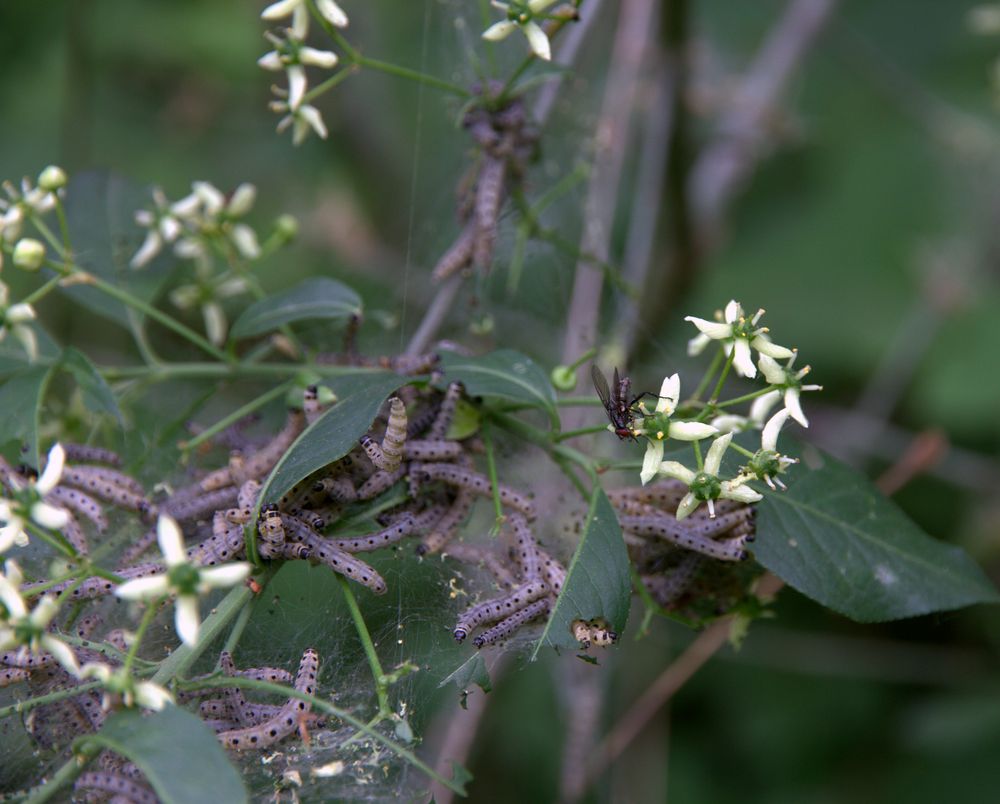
(52, 178)
(563, 378)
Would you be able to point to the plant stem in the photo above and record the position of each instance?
(242, 369)
(65, 776)
(235, 416)
(381, 688)
(147, 618)
(567, 434)
(41, 292)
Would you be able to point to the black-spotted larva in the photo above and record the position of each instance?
(447, 526)
(81, 453)
(262, 461)
(526, 548)
(286, 721)
(593, 632)
(432, 450)
(475, 482)
(498, 608)
(446, 412)
(336, 559)
(383, 538)
(389, 454)
(118, 787)
(80, 503)
(272, 532)
(458, 255)
(509, 625)
(667, 587)
(668, 529)
(380, 482)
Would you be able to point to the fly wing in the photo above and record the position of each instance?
(601, 386)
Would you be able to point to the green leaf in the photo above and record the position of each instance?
(20, 401)
(598, 583)
(472, 671)
(100, 209)
(97, 394)
(178, 754)
(835, 538)
(504, 374)
(335, 433)
(320, 298)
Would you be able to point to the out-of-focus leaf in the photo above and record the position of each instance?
(177, 753)
(472, 671)
(598, 583)
(97, 395)
(334, 434)
(321, 298)
(465, 422)
(20, 400)
(99, 209)
(834, 537)
(504, 374)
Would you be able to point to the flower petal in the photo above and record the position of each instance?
(144, 588)
(762, 406)
(171, 540)
(771, 370)
(296, 85)
(793, 406)
(697, 344)
(53, 470)
(769, 438)
(271, 61)
(733, 312)
(187, 620)
(152, 696)
(245, 240)
(670, 392)
(61, 652)
(225, 575)
(691, 431)
(10, 596)
(742, 360)
(765, 346)
(537, 40)
(651, 460)
(739, 492)
(678, 471)
(715, 330)
(282, 8)
(333, 13)
(500, 30)
(713, 460)
(687, 506)
(48, 516)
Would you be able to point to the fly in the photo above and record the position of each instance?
(617, 401)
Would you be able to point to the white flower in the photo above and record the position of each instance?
(164, 223)
(737, 335)
(15, 318)
(183, 579)
(19, 627)
(768, 463)
(670, 392)
(521, 15)
(731, 423)
(28, 504)
(132, 692)
(790, 386)
(304, 119)
(299, 12)
(706, 486)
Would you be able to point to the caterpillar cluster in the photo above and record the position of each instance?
(505, 142)
(696, 566)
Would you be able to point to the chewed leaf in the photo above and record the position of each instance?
(835, 538)
(180, 758)
(472, 671)
(598, 584)
(504, 374)
(320, 298)
(336, 432)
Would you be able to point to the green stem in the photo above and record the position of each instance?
(173, 371)
(709, 373)
(65, 776)
(722, 378)
(41, 292)
(41, 700)
(237, 630)
(147, 618)
(235, 416)
(746, 397)
(63, 225)
(49, 236)
(491, 470)
(381, 687)
(594, 428)
(542, 439)
(53, 539)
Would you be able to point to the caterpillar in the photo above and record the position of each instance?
(447, 526)
(509, 625)
(666, 588)
(117, 786)
(388, 456)
(458, 255)
(526, 552)
(312, 407)
(373, 541)
(90, 477)
(446, 412)
(81, 453)
(272, 532)
(263, 460)
(667, 529)
(553, 572)
(188, 507)
(339, 489)
(486, 209)
(80, 503)
(432, 450)
(13, 675)
(286, 721)
(498, 608)
(380, 482)
(593, 632)
(327, 553)
(475, 482)
(226, 542)
(74, 533)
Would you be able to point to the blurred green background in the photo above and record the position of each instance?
(869, 234)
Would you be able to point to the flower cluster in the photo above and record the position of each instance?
(292, 55)
(522, 15)
(182, 579)
(738, 336)
(28, 630)
(24, 204)
(202, 225)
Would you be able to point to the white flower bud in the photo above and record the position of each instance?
(29, 254)
(52, 178)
